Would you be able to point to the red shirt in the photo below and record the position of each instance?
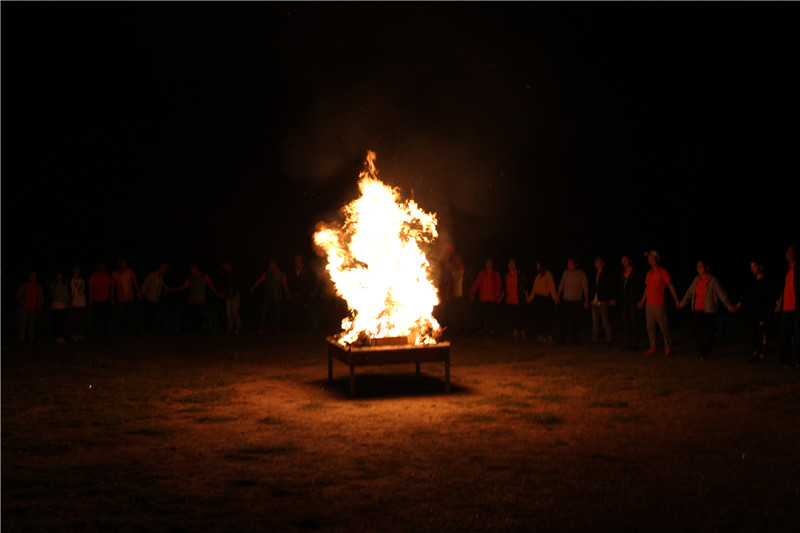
(789, 303)
(656, 281)
(100, 286)
(488, 285)
(700, 294)
(512, 296)
(31, 292)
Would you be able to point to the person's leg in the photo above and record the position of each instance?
(229, 314)
(650, 316)
(595, 322)
(628, 320)
(786, 338)
(698, 332)
(237, 319)
(606, 320)
(23, 323)
(660, 313)
(710, 320)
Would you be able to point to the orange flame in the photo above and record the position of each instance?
(377, 266)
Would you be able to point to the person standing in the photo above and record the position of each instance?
(573, 296)
(487, 286)
(456, 296)
(631, 286)
(654, 302)
(275, 291)
(514, 294)
(59, 293)
(100, 299)
(759, 306)
(30, 298)
(153, 287)
(197, 283)
(544, 297)
(125, 292)
(231, 288)
(302, 289)
(602, 294)
(705, 294)
(77, 304)
(789, 310)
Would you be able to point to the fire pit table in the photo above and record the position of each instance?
(354, 356)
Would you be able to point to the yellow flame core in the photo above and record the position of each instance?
(377, 266)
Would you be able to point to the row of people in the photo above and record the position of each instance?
(640, 296)
(121, 292)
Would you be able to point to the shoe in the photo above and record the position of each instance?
(651, 351)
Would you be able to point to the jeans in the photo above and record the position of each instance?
(600, 314)
(232, 313)
(703, 327)
(27, 318)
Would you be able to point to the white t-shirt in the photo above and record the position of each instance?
(77, 291)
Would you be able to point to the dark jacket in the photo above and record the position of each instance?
(631, 288)
(602, 287)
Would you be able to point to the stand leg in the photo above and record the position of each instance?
(352, 381)
(417, 369)
(330, 368)
(447, 376)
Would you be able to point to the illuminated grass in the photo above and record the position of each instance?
(271, 421)
(213, 419)
(206, 397)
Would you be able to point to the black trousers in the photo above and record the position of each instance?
(632, 325)
(570, 324)
(759, 327)
(790, 333)
(703, 327)
(543, 308)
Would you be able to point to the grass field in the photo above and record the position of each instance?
(216, 433)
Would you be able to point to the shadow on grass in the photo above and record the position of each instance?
(371, 386)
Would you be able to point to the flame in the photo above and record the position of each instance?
(377, 266)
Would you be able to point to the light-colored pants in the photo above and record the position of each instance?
(232, 313)
(600, 314)
(657, 314)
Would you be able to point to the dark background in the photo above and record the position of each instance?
(186, 132)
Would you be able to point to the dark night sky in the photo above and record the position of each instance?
(192, 131)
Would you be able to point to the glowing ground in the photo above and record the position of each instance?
(213, 433)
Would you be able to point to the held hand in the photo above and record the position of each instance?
(612, 303)
(639, 305)
(586, 305)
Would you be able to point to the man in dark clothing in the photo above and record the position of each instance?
(758, 304)
(302, 286)
(232, 289)
(631, 286)
(602, 294)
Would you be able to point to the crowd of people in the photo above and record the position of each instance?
(482, 303)
(115, 303)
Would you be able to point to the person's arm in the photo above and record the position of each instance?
(585, 287)
(561, 285)
(723, 297)
(258, 282)
(182, 287)
(687, 298)
(39, 298)
(475, 285)
(674, 294)
(285, 287)
(135, 285)
(213, 288)
(148, 280)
